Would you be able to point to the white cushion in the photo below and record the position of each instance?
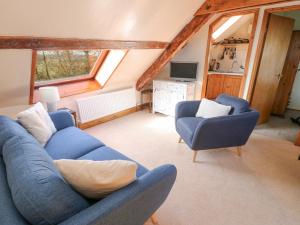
(209, 109)
(41, 111)
(95, 179)
(32, 122)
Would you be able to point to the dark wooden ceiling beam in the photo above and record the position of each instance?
(213, 6)
(178, 42)
(15, 42)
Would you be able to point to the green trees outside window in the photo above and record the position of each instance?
(64, 64)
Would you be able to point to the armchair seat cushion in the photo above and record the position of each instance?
(107, 153)
(71, 143)
(186, 127)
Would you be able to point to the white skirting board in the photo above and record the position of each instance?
(95, 107)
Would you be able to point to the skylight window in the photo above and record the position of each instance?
(73, 71)
(232, 20)
(111, 62)
(61, 65)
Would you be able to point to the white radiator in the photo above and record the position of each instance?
(95, 107)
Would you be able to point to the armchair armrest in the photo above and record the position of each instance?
(224, 131)
(62, 119)
(186, 109)
(131, 205)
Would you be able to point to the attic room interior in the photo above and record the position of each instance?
(135, 113)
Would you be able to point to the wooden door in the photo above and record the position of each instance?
(215, 83)
(276, 45)
(232, 85)
(288, 76)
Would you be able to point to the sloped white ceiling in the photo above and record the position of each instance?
(158, 20)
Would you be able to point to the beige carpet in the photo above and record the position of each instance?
(260, 188)
(280, 127)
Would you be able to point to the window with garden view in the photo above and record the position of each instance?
(73, 71)
(64, 65)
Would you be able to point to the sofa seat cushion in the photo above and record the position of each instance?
(38, 190)
(186, 127)
(8, 213)
(71, 143)
(10, 128)
(107, 153)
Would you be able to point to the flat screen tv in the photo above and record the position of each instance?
(185, 71)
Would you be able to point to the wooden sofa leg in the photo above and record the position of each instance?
(179, 140)
(194, 156)
(238, 151)
(154, 219)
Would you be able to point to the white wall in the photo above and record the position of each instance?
(15, 70)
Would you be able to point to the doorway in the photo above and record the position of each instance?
(230, 40)
(275, 90)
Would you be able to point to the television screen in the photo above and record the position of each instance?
(184, 70)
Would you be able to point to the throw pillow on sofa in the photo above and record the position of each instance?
(37, 121)
(95, 179)
(41, 111)
(38, 190)
(209, 109)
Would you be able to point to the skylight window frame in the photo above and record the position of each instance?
(83, 77)
(75, 85)
(116, 67)
(225, 26)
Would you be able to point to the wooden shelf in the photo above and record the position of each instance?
(230, 45)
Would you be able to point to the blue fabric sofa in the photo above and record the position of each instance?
(131, 205)
(218, 132)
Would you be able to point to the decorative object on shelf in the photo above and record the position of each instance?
(232, 41)
(50, 96)
(212, 64)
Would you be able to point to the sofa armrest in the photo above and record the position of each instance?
(186, 109)
(131, 205)
(225, 131)
(62, 119)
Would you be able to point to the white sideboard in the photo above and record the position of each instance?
(166, 94)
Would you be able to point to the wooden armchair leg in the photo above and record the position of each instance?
(179, 140)
(194, 156)
(238, 151)
(154, 219)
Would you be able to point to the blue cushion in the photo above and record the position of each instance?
(106, 153)
(10, 128)
(238, 105)
(186, 127)
(8, 213)
(71, 143)
(39, 192)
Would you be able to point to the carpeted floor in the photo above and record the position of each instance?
(280, 127)
(260, 188)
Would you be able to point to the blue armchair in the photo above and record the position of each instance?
(218, 132)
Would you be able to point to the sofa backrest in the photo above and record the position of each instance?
(10, 128)
(238, 105)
